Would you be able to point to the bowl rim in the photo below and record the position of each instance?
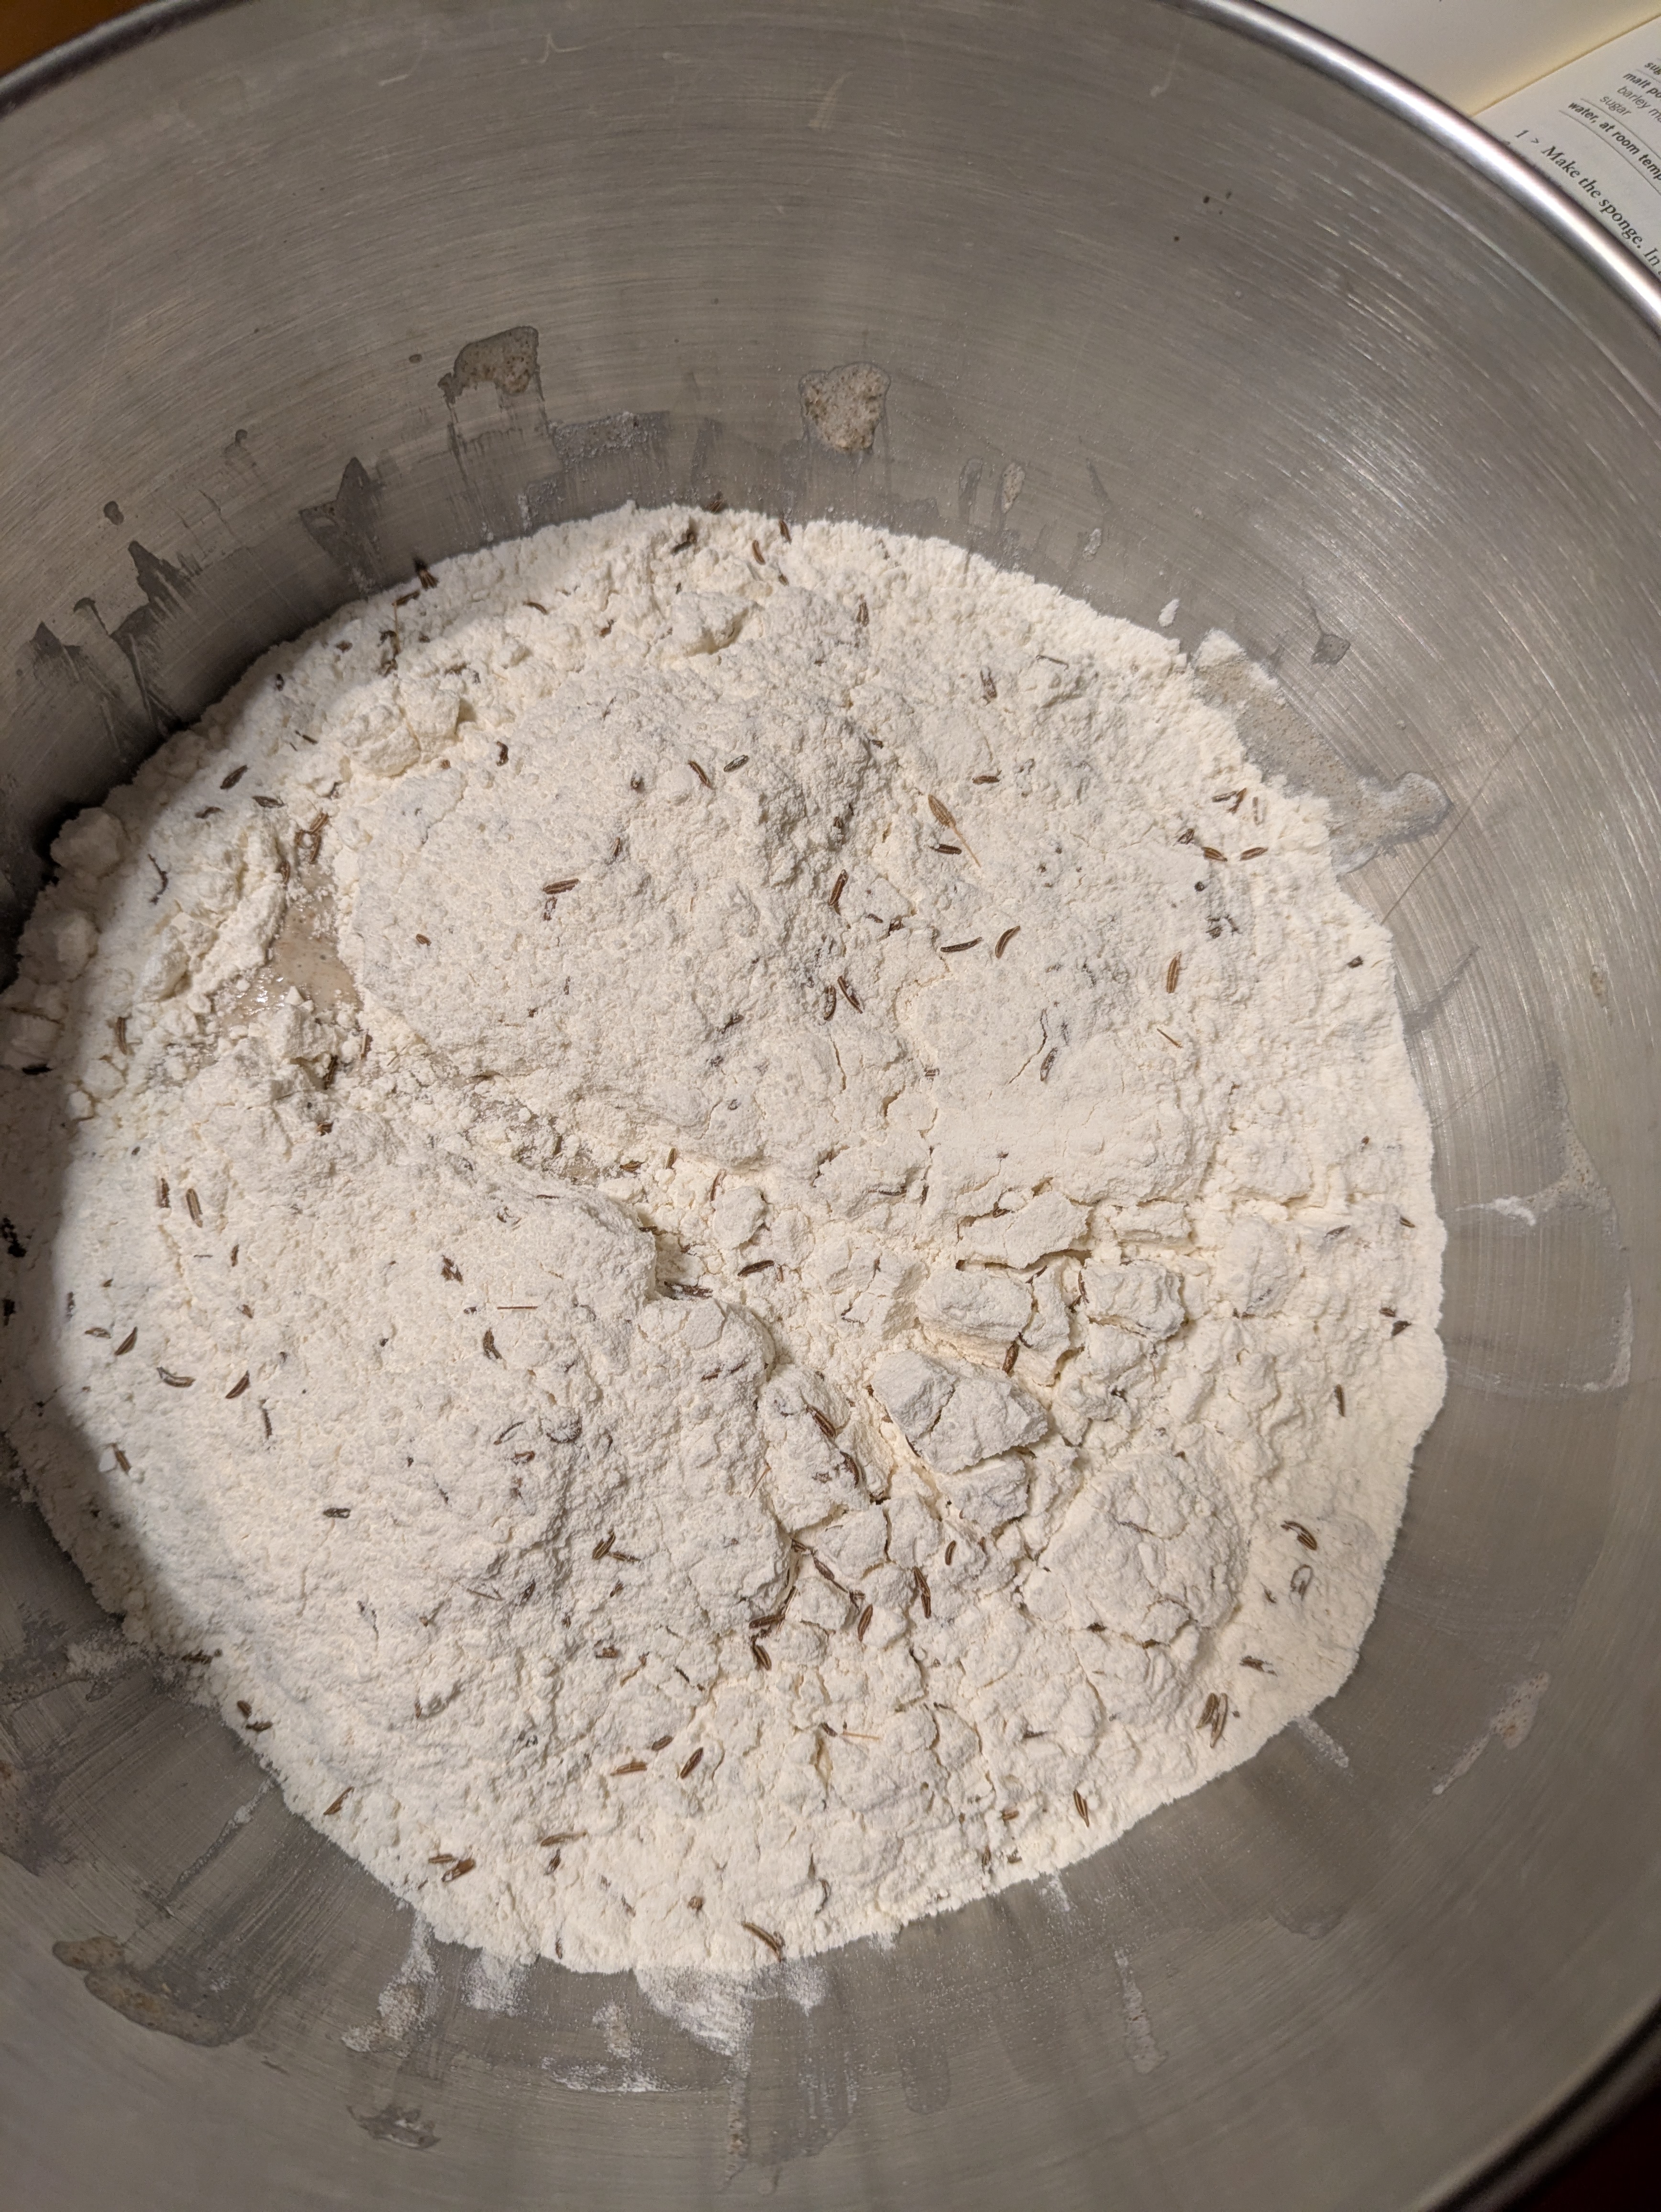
(1633, 2066)
(1477, 147)
(1317, 49)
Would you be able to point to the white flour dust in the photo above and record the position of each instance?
(738, 1242)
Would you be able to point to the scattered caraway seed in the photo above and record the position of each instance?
(1254, 851)
(967, 944)
(1173, 972)
(121, 1459)
(1009, 936)
(126, 1343)
(920, 1582)
(462, 1867)
(629, 1767)
(1396, 1327)
(828, 1003)
(257, 1727)
(175, 1381)
(1305, 1536)
(1012, 1353)
(836, 891)
(757, 1267)
(848, 992)
(162, 1198)
(1338, 1397)
(1212, 853)
(944, 815)
(1261, 1666)
(336, 1513)
(989, 686)
(240, 1386)
(329, 1810)
(230, 782)
(775, 1943)
(862, 615)
(489, 1344)
(865, 1621)
(701, 774)
(1301, 1579)
(662, 1743)
(605, 1543)
(1080, 1807)
(758, 1653)
(692, 1763)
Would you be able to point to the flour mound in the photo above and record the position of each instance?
(737, 1241)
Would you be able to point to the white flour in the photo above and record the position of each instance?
(739, 1244)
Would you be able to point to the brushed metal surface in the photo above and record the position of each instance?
(1173, 303)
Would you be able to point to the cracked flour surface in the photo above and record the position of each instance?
(738, 1242)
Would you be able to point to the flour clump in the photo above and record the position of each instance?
(737, 1241)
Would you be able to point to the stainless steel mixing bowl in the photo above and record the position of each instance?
(1162, 301)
